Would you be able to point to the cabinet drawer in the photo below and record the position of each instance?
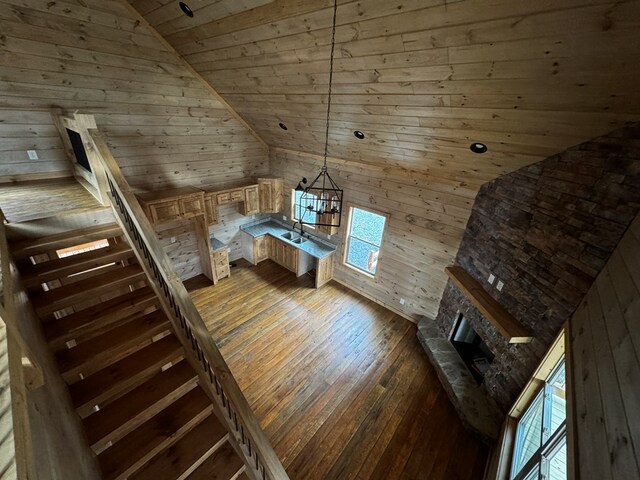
(237, 195)
(222, 198)
(191, 206)
(221, 262)
(164, 211)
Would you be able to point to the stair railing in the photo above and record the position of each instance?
(215, 376)
(18, 375)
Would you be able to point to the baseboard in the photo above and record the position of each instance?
(32, 177)
(388, 307)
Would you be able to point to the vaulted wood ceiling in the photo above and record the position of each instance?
(421, 78)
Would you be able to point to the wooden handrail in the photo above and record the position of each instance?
(216, 378)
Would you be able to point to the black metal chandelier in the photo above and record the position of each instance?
(321, 202)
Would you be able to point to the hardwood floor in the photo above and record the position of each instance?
(26, 201)
(340, 385)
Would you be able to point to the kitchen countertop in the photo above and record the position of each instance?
(216, 244)
(313, 246)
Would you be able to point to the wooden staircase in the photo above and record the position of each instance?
(143, 411)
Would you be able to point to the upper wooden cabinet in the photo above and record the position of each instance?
(251, 200)
(271, 191)
(211, 209)
(175, 204)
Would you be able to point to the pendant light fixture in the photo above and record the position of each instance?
(320, 203)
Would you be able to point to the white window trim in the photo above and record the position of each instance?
(347, 235)
(503, 453)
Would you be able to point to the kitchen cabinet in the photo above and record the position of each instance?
(211, 209)
(324, 270)
(285, 255)
(220, 260)
(251, 204)
(270, 194)
(326, 218)
(230, 196)
(170, 205)
(261, 248)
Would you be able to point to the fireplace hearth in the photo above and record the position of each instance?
(478, 412)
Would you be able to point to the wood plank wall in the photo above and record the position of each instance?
(422, 78)
(427, 217)
(163, 126)
(605, 349)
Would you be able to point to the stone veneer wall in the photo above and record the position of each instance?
(546, 231)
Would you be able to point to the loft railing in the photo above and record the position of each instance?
(215, 376)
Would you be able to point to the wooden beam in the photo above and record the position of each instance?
(504, 322)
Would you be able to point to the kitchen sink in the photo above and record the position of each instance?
(290, 236)
(299, 240)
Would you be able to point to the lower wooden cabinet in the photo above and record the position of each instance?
(285, 255)
(262, 248)
(324, 270)
(221, 263)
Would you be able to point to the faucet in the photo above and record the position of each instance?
(293, 229)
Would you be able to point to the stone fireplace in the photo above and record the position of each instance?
(545, 231)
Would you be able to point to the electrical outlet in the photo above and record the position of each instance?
(174, 239)
(402, 301)
(284, 217)
(492, 278)
(33, 155)
(499, 285)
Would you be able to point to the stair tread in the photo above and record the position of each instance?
(124, 375)
(222, 464)
(164, 429)
(120, 338)
(35, 246)
(110, 423)
(64, 329)
(66, 295)
(62, 267)
(174, 461)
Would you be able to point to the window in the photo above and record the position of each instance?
(364, 238)
(540, 449)
(299, 210)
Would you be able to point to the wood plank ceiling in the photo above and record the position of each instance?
(421, 78)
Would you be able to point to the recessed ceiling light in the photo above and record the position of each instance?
(186, 10)
(359, 135)
(478, 147)
(283, 126)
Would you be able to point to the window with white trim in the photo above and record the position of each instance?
(364, 239)
(540, 448)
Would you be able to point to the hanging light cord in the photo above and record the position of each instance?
(333, 46)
